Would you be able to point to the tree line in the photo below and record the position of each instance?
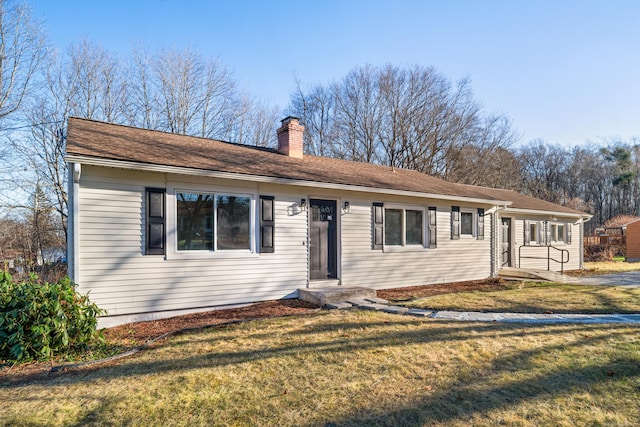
(413, 118)
(416, 118)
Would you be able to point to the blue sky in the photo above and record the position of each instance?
(564, 71)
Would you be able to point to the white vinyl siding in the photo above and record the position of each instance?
(539, 249)
(451, 261)
(123, 280)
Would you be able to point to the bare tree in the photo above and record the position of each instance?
(22, 48)
(194, 96)
(317, 111)
(142, 111)
(96, 82)
(255, 123)
(410, 118)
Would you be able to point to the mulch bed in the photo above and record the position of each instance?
(135, 334)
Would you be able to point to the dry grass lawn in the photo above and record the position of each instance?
(352, 368)
(532, 297)
(606, 267)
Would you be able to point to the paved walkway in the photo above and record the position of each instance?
(379, 304)
(629, 279)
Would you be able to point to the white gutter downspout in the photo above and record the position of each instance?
(73, 221)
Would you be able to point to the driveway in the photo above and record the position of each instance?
(630, 279)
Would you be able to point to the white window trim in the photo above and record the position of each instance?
(404, 247)
(474, 223)
(554, 239)
(172, 223)
(534, 238)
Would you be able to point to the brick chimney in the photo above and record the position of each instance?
(290, 137)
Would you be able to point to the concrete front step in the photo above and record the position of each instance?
(334, 294)
(530, 273)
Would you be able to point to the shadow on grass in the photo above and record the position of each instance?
(461, 403)
(502, 302)
(461, 400)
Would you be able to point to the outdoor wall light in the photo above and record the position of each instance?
(346, 207)
(303, 203)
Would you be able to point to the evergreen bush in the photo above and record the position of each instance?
(41, 320)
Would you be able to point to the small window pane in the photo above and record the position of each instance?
(553, 232)
(466, 223)
(414, 227)
(533, 232)
(560, 233)
(393, 226)
(233, 222)
(195, 220)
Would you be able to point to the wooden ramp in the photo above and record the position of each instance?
(535, 274)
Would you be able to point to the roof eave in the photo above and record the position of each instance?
(149, 167)
(585, 217)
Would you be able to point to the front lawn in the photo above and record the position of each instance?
(608, 267)
(532, 297)
(352, 368)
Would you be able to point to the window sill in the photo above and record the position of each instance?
(410, 248)
(228, 254)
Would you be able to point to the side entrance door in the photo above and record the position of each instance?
(323, 249)
(506, 242)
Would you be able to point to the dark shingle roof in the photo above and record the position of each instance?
(521, 201)
(123, 143)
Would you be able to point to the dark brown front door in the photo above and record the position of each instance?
(323, 240)
(506, 242)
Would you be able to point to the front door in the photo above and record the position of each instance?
(323, 240)
(506, 242)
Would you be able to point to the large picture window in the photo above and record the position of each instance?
(208, 222)
(403, 227)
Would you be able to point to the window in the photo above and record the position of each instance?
(208, 222)
(393, 226)
(546, 233)
(413, 232)
(233, 228)
(467, 223)
(533, 232)
(403, 227)
(557, 233)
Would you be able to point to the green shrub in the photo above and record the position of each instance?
(42, 320)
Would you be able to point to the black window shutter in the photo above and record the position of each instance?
(155, 215)
(433, 239)
(267, 222)
(480, 224)
(378, 225)
(455, 222)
